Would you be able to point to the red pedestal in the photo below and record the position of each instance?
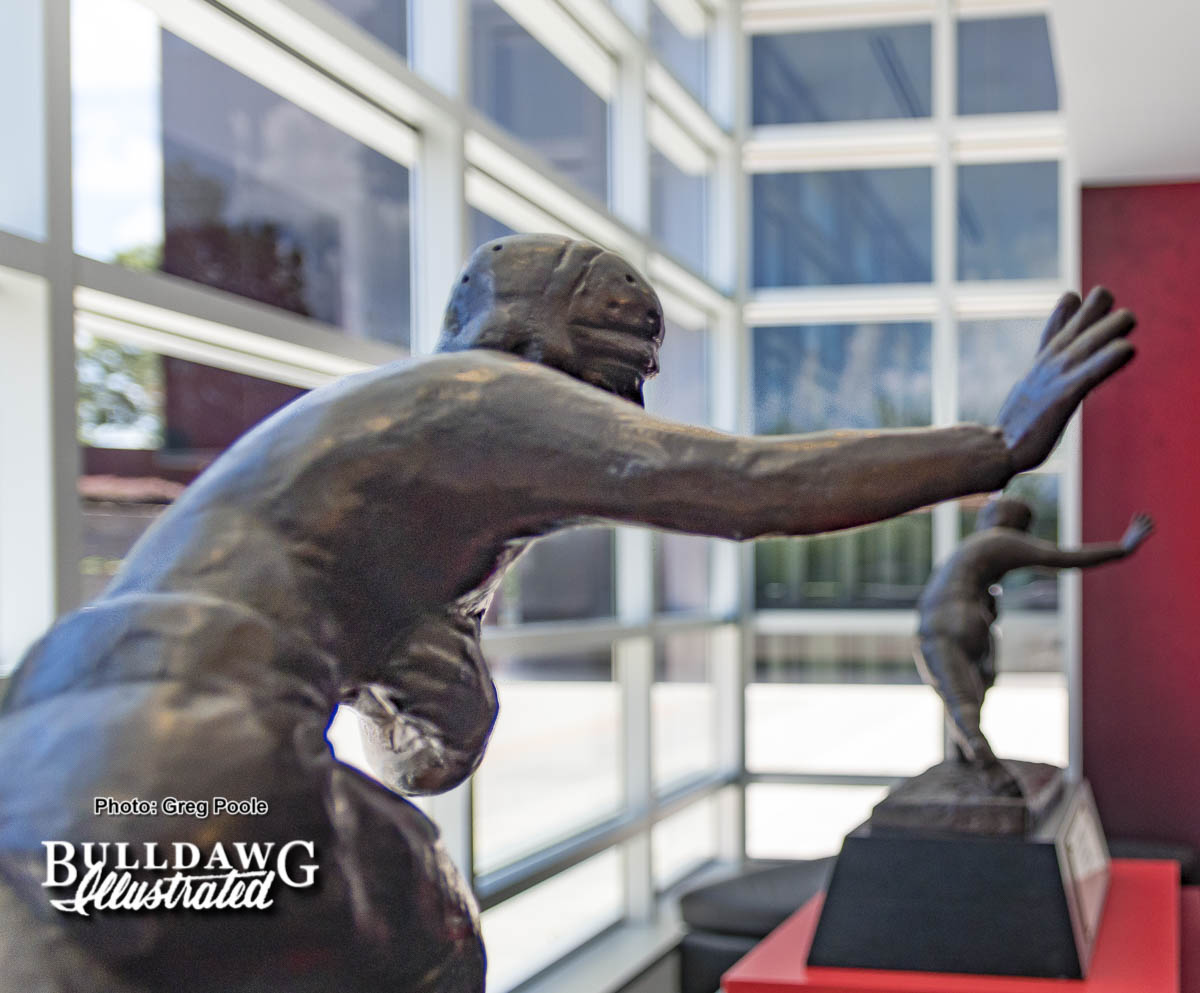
(1137, 950)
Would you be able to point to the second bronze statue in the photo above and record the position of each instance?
(955, 645)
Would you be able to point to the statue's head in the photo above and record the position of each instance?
(564, 303)
(1005, 512)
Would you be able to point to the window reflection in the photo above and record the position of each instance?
(683, 49)
(679, 210)
(681, 392)
(820, 377)
(992, 355)
(528, 932)
(526, 90)
(804, 822)
(841, 228)
(684, 842)
(1008, 221)
(553, 763)
(840, 704)
(387, 20)
(23, 164)
(185, 165)
(116, 108)
(849, 75)
(1005, 66)
(884, 565)
(683, 709)
(148, 425)
(265, 200)
(565, 576)
(484, 228)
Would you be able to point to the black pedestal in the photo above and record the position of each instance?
(1016, 904)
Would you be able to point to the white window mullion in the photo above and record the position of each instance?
(945, 226)
(59, 407)
(1070, 508)
(439, 240)
(633, 660)
(260, 59)
(729, 678)
(28, 467)
(629, 127)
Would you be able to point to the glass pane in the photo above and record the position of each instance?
(1030, 641)
(825, 376)
(484, 228)
(841, 228)
(683, 842)
(525, 934)
(568, 576)
(682, 566)
(840, 703)
(1025, 717)
(1035, 587)
(679, 210)
(387, 20)
(527, 91)
(117, 131)
(553, 764)
(683, 703)
(148, 425)
(1005, 65)
(22, 115)
(835, 658)
(884, 565)
(236, 187)
(804, 822)
(851, 75)
(1008, 221)
(992, 357)
(683, 49)
(681, 392)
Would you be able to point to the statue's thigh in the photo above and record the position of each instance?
(411, 907)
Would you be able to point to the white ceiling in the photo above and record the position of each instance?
(1129, 77)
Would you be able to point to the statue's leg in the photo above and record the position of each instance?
(427, 717)
(987, 664)
(414, 915)
(961, 685)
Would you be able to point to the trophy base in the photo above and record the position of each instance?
(953, 796)
(1008, 904)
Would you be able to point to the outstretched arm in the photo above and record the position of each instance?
(590, 455)
(573, 453)
(1046, 553)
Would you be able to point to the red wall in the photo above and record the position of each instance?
(1141, 451)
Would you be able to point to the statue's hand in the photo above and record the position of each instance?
(1140, 528)
(1082, 345)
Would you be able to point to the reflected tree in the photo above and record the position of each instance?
(120, 395)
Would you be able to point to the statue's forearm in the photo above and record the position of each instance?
(826, 482)
(750, 487)
(1088, 555)
(574, 453)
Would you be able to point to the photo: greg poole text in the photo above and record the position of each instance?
(173, 806)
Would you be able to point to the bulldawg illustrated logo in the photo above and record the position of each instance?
(119, 876)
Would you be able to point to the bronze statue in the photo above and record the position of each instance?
(344, 551)
(956, 652)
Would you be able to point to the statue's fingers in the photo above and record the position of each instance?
(1115, 325)
(1093, 371)
(1098, 303)
(1066, 308)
